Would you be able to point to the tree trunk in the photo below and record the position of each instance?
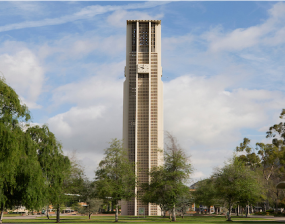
(89, 213)
(58, 214)
(47, 212)
(2, 213)
(247, 210)
(229, 215)
(117, 214)
(173, 214)
(238, 210)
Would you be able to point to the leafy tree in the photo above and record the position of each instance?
(205, 193)
(93, 206)
(235, 182)
(115, 176)
(250, 159)
(277, 131)
(177, 170)
(32, 164)
(184, 202)
(156, 191)
(76, 180)
(269, 161)
(55, 166)
(168, 181)
(21, 180)
(88, 195)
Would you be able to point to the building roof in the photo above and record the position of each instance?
(153, 21)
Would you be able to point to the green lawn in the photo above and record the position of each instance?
(148, 220)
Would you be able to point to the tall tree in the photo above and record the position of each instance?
(156, 191)
(177, 170)
(32, 165)
(168, 181)
(21, 181)
(55, 166)
(115, 176)
(277, 131)
(235, 182)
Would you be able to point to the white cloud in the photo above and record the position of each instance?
(24, 73)
(209, 117)
(85, 13)
(269, 33)
(79, 46)
(104, 87)
(96, 118)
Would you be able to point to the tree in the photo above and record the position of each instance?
(205, 193)
(32, 164)
(268, 163)
(55, 166)
(235, 182)
(277, 131)
(168, 181)
(93, 205)
(115, 176)
(177, 170)
(88, 195)
(184, 202)
(156, 191)
(21, 181)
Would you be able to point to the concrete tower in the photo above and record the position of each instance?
(143, 105)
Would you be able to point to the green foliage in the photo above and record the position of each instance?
(268, 161)
(184, 202)
(55, 166)
(115, 176)
(167, 184)
(32, 165)
(278, 130)
(206, 193)
(21, 181)
(236, 183)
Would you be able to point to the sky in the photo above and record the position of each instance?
(223, 65)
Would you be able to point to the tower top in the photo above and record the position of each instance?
(153, 21)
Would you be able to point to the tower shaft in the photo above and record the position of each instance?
(143, 105)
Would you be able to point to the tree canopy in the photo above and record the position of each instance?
(167, 185)
(115, 176)
(32, 165)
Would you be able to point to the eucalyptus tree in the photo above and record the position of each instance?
(115, 176)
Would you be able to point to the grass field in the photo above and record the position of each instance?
(148, 220)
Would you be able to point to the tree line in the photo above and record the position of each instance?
(35, 173)
(251, 177)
